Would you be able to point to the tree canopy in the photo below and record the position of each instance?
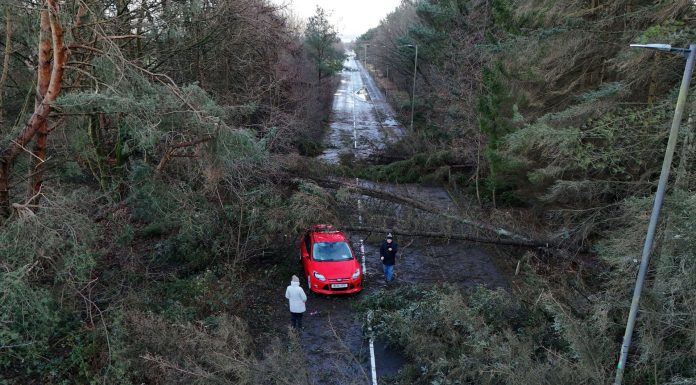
(321, 39)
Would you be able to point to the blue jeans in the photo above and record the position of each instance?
(388, 273)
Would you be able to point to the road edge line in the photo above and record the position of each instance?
(373, 364)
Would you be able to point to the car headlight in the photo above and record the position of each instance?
(356, 274)
(319, 276)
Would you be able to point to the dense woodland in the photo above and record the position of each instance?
(155, 166)
(144, 154)
(541, 104)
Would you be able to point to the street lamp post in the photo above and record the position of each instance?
(415, 71)
(365, 50)
(659, 197)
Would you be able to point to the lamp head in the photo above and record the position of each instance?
(663, 47)
(659, 47)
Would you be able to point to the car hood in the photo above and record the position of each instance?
(332, 270)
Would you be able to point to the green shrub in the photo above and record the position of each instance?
(424, 167)
(45, 260)
(218, 352)
(309, 146)
(483, 337)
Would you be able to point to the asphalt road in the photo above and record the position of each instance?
(334, 337)
(362, 122)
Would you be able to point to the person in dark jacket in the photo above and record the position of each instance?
(387, 253)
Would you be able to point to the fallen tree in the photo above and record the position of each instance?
(380, 194)
(458, 237)
(506, 237)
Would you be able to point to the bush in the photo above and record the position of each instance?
(483, 337)
(219, 351)
(424, 167)
(309, 146)
(40, 326)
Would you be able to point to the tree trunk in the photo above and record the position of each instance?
(460, 237)
(171, 151)
(50, 89)
(681, 180)
(421, 206)
(4, 190)
(652, 86)
(6, 61)
(42, 83)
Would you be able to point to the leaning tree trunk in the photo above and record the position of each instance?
(380, 194)
(50, 89)
(5, 61)
(532, 243)
(60, 54)
(42, 83)
(503, 236)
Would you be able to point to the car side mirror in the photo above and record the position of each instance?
(305, 255)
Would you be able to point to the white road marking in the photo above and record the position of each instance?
(373, 364)
(362, 251)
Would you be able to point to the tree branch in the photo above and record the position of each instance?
(6, 59)
(419, 205)
(170, 152)
(459, 237)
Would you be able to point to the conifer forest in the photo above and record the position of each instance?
(163, 164)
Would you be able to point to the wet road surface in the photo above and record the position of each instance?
(362, 122)
(334, 337)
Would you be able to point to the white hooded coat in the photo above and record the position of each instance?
(297, 297)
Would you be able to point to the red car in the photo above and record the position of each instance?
(329, 261)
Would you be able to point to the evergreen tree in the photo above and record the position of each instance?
(321, 39)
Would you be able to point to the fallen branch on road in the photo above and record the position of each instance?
(458, 237)
(506, 237)
(421, 206)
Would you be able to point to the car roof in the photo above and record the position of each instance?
(332, 236)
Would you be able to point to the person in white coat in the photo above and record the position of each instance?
(297, 298)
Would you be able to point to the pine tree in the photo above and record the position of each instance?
(321, 39)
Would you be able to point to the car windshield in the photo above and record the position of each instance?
(331, 252)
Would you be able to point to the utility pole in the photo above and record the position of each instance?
(413, 92)
(415, 72)
(365, 59)
(659, 197)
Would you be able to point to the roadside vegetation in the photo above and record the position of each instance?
(146, 191)
(154, 174)
(542, 107)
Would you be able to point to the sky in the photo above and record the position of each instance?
(352, 18)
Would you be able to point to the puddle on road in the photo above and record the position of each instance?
(358, 111)
(391, 122)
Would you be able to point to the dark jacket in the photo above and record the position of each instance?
(389, 255)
